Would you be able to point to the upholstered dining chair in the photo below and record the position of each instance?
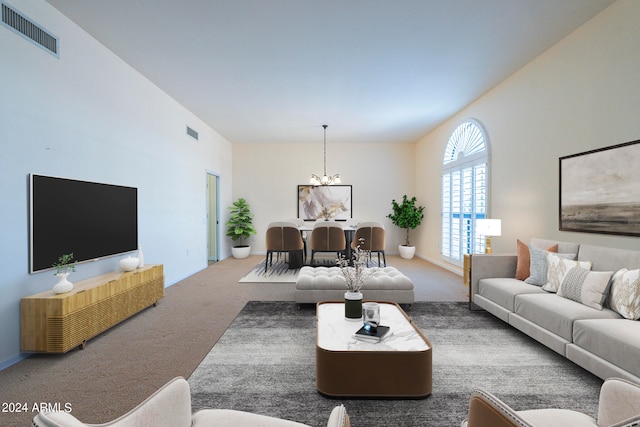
(327, 236)
(300, 223)
(618, 406)
(283, 236)
(370, 236)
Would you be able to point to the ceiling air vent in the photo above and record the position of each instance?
(192, 133)
(26, 28)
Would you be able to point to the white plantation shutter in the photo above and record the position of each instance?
(464, 191)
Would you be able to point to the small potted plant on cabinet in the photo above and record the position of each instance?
(408, 216)
(64, 267)
(240, 227)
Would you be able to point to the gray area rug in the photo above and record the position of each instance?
(265, 363)
(278, 272)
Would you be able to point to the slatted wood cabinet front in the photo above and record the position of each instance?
(51, 323)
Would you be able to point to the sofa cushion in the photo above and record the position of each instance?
(557, 267)
(557, 417)
(609, 259)
(586, 287)
(625, 293)
(502, 291)
(614, 340)
(523, 264)
(557, 314)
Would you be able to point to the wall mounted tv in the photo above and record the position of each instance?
(89, 219)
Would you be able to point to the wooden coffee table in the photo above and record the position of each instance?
(399, 366)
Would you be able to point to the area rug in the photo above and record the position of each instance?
(265, 363)
(278, 272)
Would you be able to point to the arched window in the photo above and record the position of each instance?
(465, 170)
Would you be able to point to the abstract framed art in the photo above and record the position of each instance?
(324, 201)
(600, 190)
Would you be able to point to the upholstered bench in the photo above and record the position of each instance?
(316, 284)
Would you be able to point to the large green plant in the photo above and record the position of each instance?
(240, 224)
(406, 214)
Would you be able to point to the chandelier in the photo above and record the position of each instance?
(325, 180)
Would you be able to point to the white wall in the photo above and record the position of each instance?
(582, 94)
(268, 177)
(89, 116)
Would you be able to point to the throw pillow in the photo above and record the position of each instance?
(557, 267)
(538, 267)
(625, 293)
(523, 263)
(586, 287)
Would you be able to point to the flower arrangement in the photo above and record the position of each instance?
(356, 274)
(65, 264)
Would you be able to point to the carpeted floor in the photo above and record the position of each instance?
(265, 363)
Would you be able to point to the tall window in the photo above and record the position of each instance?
(464, 191)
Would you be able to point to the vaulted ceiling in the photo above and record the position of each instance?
(373, 70)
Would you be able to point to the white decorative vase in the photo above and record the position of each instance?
(240, 251)
(63, 284)
(407, 252)
(129, 263)
(353, 305)
(140, 257)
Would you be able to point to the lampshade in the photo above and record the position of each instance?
(489, 227)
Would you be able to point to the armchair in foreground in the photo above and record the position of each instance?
(170, 406)
(619, 406)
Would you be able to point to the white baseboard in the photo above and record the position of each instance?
(452, 268)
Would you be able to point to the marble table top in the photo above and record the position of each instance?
(335, 333)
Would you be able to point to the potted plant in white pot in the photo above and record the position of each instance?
(240, 227)
(64, 267)
(408, 216)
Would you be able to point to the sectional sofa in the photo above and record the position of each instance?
(579, 300)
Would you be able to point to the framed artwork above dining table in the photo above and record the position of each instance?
(324, 201)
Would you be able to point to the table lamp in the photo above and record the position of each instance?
(488, 228)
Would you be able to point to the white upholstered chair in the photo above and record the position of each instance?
(619, 406)
(170, 406)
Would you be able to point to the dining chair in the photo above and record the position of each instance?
(300, 223)
(370, 237)
(327, 236)
(282, 236)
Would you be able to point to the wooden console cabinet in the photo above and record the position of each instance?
(51, 323)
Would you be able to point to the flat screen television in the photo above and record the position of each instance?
(89, 219)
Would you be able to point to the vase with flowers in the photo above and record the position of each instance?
(64, 266)
(355, 273)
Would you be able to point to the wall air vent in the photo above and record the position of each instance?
(192, 133)
(19, 24)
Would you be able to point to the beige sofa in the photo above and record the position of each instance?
(599, 340)
(170, 406)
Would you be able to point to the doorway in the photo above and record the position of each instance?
(213, 183)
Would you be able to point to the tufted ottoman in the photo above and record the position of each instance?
(315, 284)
